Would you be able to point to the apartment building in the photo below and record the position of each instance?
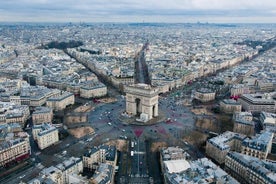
(45, 135)
(33, 96)
(66, 172)
(97, 159)
(70, 166)
(101, 154)
(259, 146)
(239, 89)
(242, 126)
(14, 144)
(247, 116)
(257, 102)
(53, 174)
(60, 101)
(247, 169)
(177, 168)
(93, 91)
(42, 115)
(204, 95)
(230, 106)
(103, 174)
(218, 147)
(268, 121)
(11, 113)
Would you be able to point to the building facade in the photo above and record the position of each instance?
(218, 147)
(268, 121)
(247, 169)
(66, 172)
(16, 148)
(45, 135)
(101, 154)
(259, 146)
(103, 174)
(239, 89)
(246, 116)
(204, 95)
(177, 168)
(11, 113)
(230, 106)
(42, 115)
(60, 101)
(93, 91)
(244, 127)
(257, 103)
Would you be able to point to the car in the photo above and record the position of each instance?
(123, 137)
(109, 123)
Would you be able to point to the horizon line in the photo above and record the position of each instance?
(127, 22)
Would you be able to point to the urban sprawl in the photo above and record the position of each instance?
(137, 103)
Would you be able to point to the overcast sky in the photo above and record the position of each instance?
(212, 11)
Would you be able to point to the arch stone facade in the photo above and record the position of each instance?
(142, 101)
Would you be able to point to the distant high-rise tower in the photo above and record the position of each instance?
(141, 72)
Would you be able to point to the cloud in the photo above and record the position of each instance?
(132, 10)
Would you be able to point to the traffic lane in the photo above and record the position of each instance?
(139, 166)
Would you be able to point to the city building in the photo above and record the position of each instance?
(61, 101)
(66, 172)
(45, 135)
(266, 85)
(93, 91)
(247, 169)
(204, 95)
(218, 147)
(257, 102)
(14, 144)
(230, 106)
(42, 115)
(239, 89)
(101, 154)
(245, 127)
(33, 96)
(10, 87)
(247, 116)
(268, 121)
(177, 168)
(70, 167)
(11, 113)
(259, 146)
(103, 174)
(53, 174)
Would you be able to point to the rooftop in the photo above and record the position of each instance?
(222, 140)
(259, 142)
(41, 109)
(204, 90)
(231, 102)
(200, 171)
(263, 168)
(176, 166)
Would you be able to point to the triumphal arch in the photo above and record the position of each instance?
(141, 97)
(142, 101)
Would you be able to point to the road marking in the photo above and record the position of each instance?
(139, 152)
